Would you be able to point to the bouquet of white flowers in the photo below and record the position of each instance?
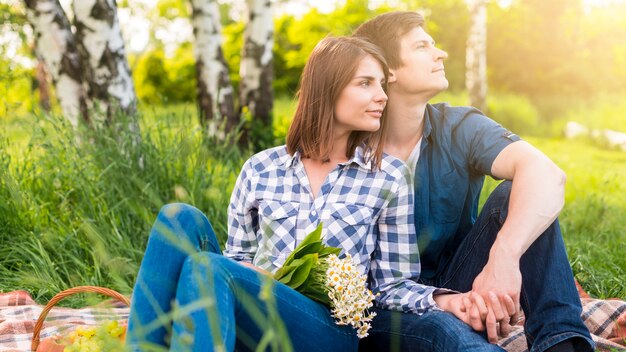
(315, 270)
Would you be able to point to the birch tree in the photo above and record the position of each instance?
(256, 61)
(215, 92)
(476, 54)
(56, 44)
(101, 46)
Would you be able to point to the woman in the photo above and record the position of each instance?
(331, 171)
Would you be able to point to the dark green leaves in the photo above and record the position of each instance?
(305, 268)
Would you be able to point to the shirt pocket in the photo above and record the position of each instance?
(349, 227)
(277, 226)
(447, 198)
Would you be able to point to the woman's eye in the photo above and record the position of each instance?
(365, 83)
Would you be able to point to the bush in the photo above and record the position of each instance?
(514, 112)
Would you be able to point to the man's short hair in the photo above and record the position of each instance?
(386, 30)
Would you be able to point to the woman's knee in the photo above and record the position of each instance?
(180, 214)
(187, 224)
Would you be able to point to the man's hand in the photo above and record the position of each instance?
(499, 285)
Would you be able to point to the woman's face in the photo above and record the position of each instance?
(360, 104)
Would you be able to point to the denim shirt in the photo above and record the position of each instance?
(365, 211)
(459, 145)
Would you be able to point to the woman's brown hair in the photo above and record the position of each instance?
(331, 66)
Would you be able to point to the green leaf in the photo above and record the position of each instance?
(326, 251)
(303, 270)
(301, 273)
(284, 273)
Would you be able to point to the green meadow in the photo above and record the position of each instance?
(76, 209)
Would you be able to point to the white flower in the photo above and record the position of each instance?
(350, 298)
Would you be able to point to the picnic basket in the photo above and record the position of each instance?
(59, 296)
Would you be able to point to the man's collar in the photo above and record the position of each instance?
(428, 127)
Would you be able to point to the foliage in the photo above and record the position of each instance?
(562, 50)
(305, 268)
(78, 212)
(557, 48)
(514, 112)
(605, 112)
(162, 80)
(16, 89)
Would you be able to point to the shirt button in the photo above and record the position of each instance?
(314, 213)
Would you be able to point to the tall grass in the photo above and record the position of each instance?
(78, 212)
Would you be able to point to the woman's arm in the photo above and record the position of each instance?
(241, 244)
(395, 263)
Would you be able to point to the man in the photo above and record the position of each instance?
(487, 266)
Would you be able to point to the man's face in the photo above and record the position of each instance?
(421, 71)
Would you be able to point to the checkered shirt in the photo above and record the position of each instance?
(366, 212)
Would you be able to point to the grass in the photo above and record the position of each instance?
(78, 212)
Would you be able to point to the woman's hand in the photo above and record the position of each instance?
(480, 315)
(460, 305)
(251, 266)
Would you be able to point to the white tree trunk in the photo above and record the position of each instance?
(56, 44)
(256, 61)
(476, 54)
(102, 48)
(215, 92)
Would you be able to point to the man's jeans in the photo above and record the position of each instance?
(549, 297)
(220, 302)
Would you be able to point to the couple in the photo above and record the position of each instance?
(461, 290)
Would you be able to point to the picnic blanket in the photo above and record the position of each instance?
(606, 319)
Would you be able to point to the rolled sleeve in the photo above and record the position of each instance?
(396, 266)
(484, 139)
(242, 219)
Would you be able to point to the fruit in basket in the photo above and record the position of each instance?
(105, 337)
(109, 336)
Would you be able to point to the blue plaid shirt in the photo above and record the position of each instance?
(366, 212)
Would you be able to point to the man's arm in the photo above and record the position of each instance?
(537, 197)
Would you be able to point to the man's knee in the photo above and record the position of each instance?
(498, 200)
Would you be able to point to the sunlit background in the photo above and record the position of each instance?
(562, 60)
(556, 74)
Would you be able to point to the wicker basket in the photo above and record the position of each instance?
(59, 296)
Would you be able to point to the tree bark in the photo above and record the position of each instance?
(256, 70)
(476, 54)
(42, 83)
(56, 44)
(101, 46)
(215, 92)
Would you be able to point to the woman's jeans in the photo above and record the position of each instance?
(549, 297)
(187, 290)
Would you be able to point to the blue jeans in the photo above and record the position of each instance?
(218, 302)
(549, 297)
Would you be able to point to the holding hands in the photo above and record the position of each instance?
(493, 303)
